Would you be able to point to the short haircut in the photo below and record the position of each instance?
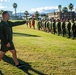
(5, 12)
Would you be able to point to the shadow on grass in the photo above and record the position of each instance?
(26, 68)
(27, 35)
(1, 73)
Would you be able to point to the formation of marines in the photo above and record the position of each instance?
(61, 27)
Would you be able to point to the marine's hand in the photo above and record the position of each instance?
(8, 45)
(25, 21)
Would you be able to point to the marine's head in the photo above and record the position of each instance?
(5, 16)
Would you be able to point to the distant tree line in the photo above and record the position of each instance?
(65, 9)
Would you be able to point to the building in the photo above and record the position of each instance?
(10, 13)
(60, 15)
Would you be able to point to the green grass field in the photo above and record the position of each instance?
(42, 53)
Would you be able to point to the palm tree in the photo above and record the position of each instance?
(15, 7)
(71, 8)
(37, 15)
(26, 14)
(59, 7)
(65, 10)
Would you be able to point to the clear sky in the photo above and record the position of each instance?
(33, 5)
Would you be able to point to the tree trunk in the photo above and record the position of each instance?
(71, 14)
(26, 17)
(15, 12)
(60, 15)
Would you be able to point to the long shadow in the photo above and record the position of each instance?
(27, 35)
(26, 68)
(1, 72)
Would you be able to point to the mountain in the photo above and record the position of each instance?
(43, 12)
(19, 14)
(48, 11)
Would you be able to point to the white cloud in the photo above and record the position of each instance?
(40, 9)
(5, 0)
(1, 6)
(74, 9)
(1, 0)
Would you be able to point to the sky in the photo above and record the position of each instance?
(34, 5)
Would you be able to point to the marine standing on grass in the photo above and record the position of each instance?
(69, 28)
(33, 23)
(6, 37)
(45, 25)
(50, 26)
(74, 29)
(39, 25)
(54, 26)
(48, 29)
(63, 28)
(59, 27)
(30, 23)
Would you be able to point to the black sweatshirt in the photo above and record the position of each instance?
(6, 30)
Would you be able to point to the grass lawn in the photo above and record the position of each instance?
(42, 53)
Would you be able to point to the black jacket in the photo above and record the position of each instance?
(73, 27)
(63, 25)
(6, 30)
(69, 26)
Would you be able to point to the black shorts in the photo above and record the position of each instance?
(4, 48)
